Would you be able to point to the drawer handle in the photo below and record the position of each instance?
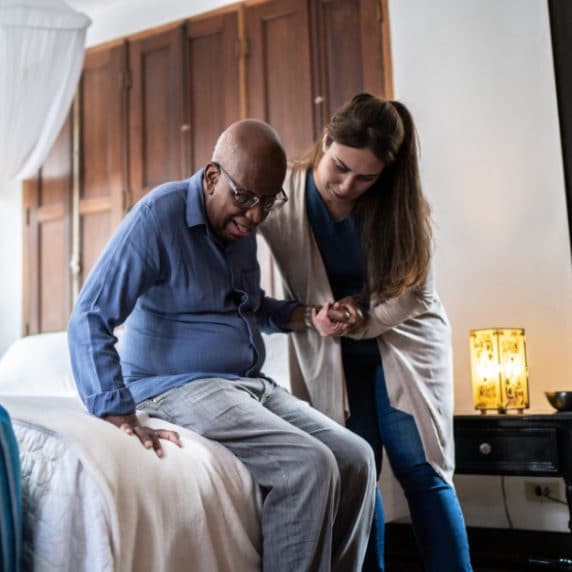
(485, 448)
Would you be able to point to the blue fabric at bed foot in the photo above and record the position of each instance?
(10, 498)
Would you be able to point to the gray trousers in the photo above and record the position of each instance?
(318, 479)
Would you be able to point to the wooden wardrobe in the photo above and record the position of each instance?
(150, 107)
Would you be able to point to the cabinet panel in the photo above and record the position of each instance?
(103, 180)
(213, 95)
(96, 230)
(54, 273)
(47, 240)
(279, 70)
(351, 48)
(340, 54)
(155, 111)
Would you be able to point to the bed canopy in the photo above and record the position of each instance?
(42, 45)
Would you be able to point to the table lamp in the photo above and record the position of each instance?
(498, 369)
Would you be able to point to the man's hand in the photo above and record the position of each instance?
(148, 437)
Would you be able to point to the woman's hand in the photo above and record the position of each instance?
(326, 322)
(347, 311)
(148, 437)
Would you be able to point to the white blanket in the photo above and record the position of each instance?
(96, 500)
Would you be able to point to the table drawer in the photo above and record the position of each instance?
(507, 451)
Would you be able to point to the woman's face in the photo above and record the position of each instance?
(345, 173)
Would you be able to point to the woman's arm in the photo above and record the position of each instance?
(387, 315)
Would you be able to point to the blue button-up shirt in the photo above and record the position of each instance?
(192, 305)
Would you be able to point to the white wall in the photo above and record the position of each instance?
(478, 77)
(10, 263)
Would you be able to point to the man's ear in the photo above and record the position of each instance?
(211, 177)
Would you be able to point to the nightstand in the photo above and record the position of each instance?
(517, 445)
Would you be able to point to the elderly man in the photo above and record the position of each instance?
(181, 271)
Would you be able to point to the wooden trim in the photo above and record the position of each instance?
(105, 46)
(126, 190)
(242, 64)
(317, 72)
(94, 205)
(30, 267)
(50, 212)
(235, 6)
(185, 120)
(250, 3)
(149, 32)
(29, 281)
(386, 50)
(75, 257)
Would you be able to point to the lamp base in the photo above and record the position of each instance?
(501, 410)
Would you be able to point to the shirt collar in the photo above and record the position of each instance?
(196, 213)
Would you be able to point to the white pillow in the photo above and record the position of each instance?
(38, 365)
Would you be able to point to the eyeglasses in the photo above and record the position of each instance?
(245, 199)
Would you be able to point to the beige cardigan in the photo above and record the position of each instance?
(412, 333)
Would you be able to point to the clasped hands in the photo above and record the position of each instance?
(338, 318)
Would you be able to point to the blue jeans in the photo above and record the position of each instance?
(437, 519)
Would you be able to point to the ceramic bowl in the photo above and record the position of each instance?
(560, 400)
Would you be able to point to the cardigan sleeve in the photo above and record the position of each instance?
(389, 314)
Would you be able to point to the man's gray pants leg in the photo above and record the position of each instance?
(317, 478)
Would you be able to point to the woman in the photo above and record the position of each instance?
(356, 229)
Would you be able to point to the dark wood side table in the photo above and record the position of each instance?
(517, 445)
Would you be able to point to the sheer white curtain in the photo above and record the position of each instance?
(42, 45)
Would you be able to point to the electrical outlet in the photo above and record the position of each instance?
(539, 491)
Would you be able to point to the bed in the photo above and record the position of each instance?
(95, 500)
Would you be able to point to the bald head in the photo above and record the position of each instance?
(251, 151)
(248, 159)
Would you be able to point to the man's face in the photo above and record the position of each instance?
(228, 200)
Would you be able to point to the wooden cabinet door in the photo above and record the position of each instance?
(156, 115)
(150, 110)
(279, 70)
(350, 38)
(47, 240)
(103, 171)
(307, 57)
(212, 84)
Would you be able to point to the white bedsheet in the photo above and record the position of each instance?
(96, 500)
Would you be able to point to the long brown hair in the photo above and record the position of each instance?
(395, 215)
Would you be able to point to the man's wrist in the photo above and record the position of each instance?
(119, 420)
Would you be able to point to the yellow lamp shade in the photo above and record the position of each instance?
(498, 369)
